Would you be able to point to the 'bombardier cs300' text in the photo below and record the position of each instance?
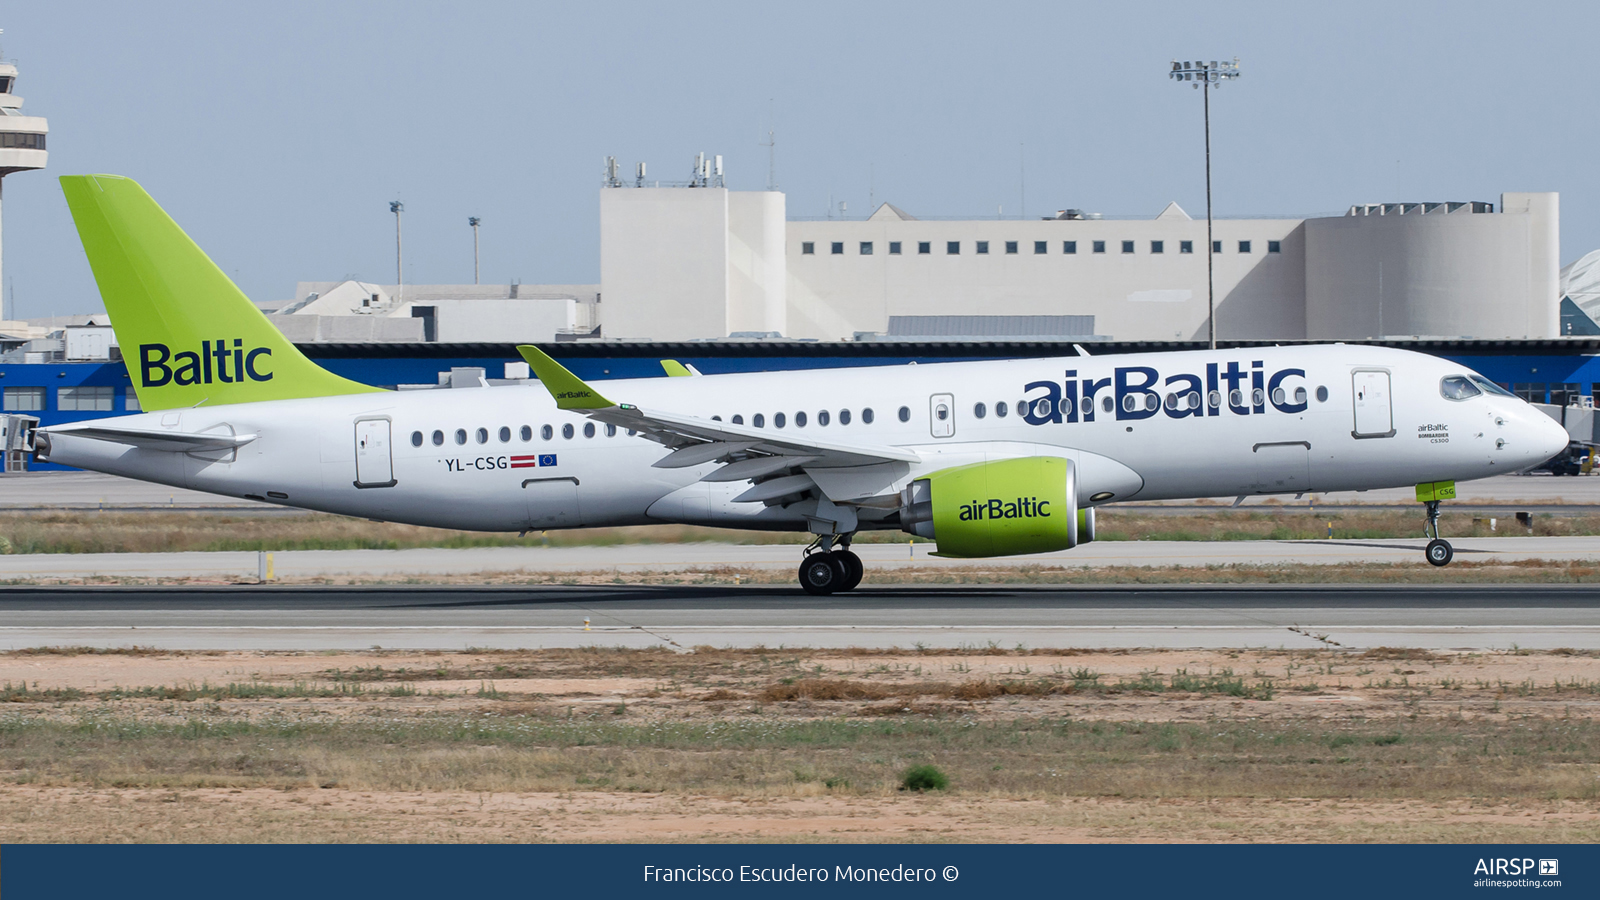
(984, 458)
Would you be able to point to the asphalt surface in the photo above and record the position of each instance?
(322, 618)
(478, 563)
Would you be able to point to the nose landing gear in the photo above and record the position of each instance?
(826, 570)
(1439, 551)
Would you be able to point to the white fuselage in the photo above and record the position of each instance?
(1383, 423)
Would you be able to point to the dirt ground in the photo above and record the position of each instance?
(800, 745)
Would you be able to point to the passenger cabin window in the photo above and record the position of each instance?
(588, 429)
(1458, 387)
(483, 435)
(844, 417)
(416, 439)
(547, 432)
(758, 420)
(866, 416)
(905, 413)
(438, 438)
(461, 435)
(566, 431)
(822, 417)
(527, 433)
(505, 435)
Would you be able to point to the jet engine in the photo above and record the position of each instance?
(1006, 507)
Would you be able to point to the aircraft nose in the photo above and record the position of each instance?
(1549, 436)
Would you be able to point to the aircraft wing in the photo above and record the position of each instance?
(173, 441)
(783, 464)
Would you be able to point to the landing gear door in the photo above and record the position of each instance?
(374, 459)
(1374, 415)
(942, 415)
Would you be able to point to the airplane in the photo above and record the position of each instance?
(986, 459)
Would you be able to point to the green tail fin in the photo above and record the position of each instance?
(188, 334)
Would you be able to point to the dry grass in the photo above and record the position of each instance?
(114, 531)
(1389, 744)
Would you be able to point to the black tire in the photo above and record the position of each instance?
(853, 569)
(1440, 552)
(821, 574)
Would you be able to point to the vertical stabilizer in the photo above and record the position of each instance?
(188, 334)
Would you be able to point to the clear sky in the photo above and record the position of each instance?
(277, 133)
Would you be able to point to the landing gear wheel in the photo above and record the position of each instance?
(1440, 552)
(821, 574)
(853, 569)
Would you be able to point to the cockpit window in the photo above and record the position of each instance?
(1490, 386)
(1457, 387)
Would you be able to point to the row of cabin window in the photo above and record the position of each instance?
(953, 248)
(1150, 401)
(546, 432)
(824, 417)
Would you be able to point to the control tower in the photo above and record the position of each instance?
(21, 142)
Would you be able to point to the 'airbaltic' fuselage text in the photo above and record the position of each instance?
(1136, 392)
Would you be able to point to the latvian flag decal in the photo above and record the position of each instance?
(524, 462)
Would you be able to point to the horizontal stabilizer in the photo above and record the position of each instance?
(173, 441)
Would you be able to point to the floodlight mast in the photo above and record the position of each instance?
(1208, 75)
(396, 207)
(473, 221)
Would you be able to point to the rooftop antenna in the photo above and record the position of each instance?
(717, 170)
(772, 151)
(1022, 180)
(473, 221)
(638, 179)
(611, 172)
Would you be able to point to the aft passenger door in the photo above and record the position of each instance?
(374, 462)
(942, 415)
(1374, 415)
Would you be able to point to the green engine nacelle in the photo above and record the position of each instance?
(1008, 507)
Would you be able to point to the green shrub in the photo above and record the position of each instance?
(924, 778)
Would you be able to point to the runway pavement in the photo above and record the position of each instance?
(706, 557)
(1486, 617)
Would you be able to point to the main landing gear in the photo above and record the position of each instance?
(826, 570)
(1439, 551)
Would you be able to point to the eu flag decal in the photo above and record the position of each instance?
(547, 459)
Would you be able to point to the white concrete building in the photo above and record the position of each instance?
(686, 263)
(360, 312)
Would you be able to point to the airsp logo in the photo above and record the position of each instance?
(216, 361)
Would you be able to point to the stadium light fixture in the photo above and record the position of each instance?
(1198, 74)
